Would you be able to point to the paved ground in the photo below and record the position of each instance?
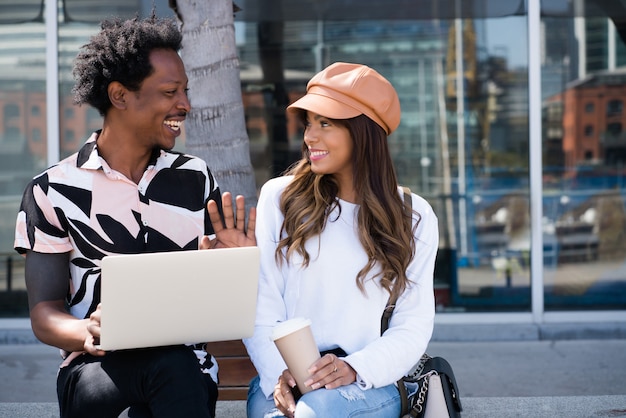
(514, 373)
(483, 369)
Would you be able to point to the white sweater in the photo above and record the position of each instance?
(326, 293)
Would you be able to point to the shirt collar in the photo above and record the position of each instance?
(90, 159)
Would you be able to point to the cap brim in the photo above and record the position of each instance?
(324, 106)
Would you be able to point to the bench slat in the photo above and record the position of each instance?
(233, 394)
(235, 369)
(232, 348)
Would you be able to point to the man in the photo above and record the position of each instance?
(123, 192)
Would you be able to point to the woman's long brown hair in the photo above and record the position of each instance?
(384, 227)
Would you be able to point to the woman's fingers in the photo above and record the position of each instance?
(330, 372)
(283, 395)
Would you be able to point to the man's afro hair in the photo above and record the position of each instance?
(120, 52)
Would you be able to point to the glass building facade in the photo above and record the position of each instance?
(513, 128)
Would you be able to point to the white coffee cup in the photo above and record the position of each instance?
(295, 342)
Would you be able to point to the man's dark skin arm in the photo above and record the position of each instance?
(47, 282)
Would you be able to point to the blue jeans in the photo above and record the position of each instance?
(343, 402)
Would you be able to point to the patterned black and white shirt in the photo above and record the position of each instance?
(83, 207)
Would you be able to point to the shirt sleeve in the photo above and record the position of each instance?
(38, 226)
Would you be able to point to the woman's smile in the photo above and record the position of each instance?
(315, 154)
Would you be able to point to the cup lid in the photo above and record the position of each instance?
(289, 326)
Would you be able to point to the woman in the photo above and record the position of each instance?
(335, 242)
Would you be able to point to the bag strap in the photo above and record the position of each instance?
(391, 304)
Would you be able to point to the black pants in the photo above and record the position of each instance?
(154, 382)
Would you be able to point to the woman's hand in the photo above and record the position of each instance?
(330, 372)
(232, 232)
(283, 394)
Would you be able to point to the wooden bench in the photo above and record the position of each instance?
(235, 369)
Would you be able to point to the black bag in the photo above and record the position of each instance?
(437, 394)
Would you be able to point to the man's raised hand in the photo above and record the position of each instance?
(233, 231)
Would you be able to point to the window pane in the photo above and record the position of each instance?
(584, 192)
(343, 10)
(21, 11)
(22, 132)
(476, 180)
(94, 10)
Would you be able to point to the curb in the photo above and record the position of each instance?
(17, 331)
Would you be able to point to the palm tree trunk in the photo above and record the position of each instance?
(215, 127)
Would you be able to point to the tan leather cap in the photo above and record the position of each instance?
(343, 90)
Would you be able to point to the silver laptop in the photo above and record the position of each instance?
(178, 297)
